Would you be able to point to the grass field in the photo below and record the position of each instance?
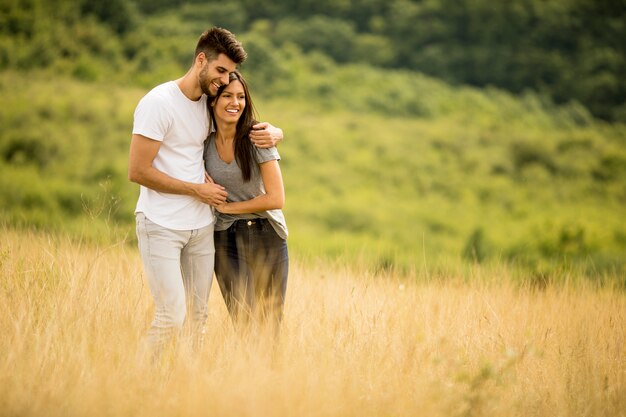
(479, 175)
(352, 343)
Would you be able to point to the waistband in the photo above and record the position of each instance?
(257, 223)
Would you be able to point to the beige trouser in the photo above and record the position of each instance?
(179, 269)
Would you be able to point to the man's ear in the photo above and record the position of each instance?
(201, 59)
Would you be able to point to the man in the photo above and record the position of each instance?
(174, 217)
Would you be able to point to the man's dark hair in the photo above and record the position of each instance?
(217, 41)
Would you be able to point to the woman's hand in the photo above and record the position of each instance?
(222, 208)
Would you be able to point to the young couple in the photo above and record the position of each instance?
(183, 176)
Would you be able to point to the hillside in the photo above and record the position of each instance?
(568, 50)
(395, 169)
(383, 164)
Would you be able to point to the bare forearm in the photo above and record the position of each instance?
(154, 179)
(261, 203)
(208, 193)
(273, 198)
(143, 150)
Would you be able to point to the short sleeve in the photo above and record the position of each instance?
(267, 154)
(152, 118)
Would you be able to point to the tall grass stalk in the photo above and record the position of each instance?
(352, 343)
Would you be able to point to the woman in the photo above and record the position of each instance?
(251, 258)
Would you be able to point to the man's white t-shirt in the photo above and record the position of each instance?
(165, 114)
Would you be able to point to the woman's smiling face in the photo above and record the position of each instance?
(230, 104)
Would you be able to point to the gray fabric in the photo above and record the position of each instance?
(229, 176)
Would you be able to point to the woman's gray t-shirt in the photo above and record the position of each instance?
(229, 176)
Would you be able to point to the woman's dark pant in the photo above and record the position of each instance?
(251, 266)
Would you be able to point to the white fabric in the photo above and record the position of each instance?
(165, 114)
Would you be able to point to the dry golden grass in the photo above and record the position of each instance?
(352, 344)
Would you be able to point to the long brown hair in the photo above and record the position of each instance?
(244, 149)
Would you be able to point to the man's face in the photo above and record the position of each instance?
(215, 73)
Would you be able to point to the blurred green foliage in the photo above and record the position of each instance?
(568, 50)
(387, 166)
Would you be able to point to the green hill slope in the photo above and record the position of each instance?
(392, 168)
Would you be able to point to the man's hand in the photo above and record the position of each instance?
(211, 193)
(264, 135)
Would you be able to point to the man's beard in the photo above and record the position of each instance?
(205, 83)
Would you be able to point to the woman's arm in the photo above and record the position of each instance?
(274, 197)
